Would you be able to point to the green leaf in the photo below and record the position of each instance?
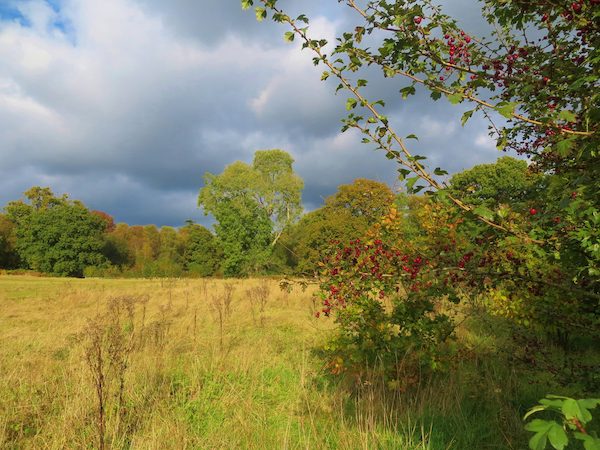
(410, 183)
(409, 90)
(412, 136)
(538, 441)
(484, 212)
(466, 116)
(589, 442)
(440, 172)
(590, 403)
(502, 142)
(552, 403)
(539, 425)
(246, 4)
(361, 83)
(564, 146)
(506, 109)
(289, 36)
(403, 173)
(351, 103)
(455, 98)
(567, 116)
(261, 13)
(324, 76)
(571, 410)
(557, 437)
(435, 95)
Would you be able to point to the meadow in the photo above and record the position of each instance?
(214, 364)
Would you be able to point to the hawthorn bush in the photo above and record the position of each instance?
(534, 78)
(388, 308)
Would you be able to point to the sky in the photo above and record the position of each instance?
(126, 104)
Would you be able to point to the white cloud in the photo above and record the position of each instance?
(125, 109)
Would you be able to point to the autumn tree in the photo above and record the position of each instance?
(8, 254)
(346, 215)
(534, 78)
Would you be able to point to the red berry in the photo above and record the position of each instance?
(418, 20)
(533, 211)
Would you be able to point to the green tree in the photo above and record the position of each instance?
(315, 233)
(202, 253)
(244, 232)
(507, 181)
(278, 188)
(56, 235)
(265, 197)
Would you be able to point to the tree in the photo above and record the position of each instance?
(202, 253)
(278, 188)
(265, 197)
(365, 199)
(270, 182)
(536, 74)
(507, 181)
(244, 232)
(346, 215)
(108, 219)
(535, 79)
(316, 232)
(8, 253)
(56, 235)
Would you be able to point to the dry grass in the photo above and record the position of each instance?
(184, 363)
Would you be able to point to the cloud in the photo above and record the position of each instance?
(125, 104)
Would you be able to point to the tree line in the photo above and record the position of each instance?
(259, 229)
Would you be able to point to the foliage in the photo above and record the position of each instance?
(365, 199)
(202, 252)
(535, 79)
(55, 235)
(506, 182)
(575, 415)
(346, 215)
(387, 305)
(253, 205)
(244, 232)
(8, 254)
(269, 182)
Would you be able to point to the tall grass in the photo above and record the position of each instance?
(211, 364)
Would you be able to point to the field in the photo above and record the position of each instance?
(186, 366)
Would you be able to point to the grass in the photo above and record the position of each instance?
(248, 379)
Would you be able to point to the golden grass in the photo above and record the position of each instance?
(187, 385)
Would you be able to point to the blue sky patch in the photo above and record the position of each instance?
(10, 13)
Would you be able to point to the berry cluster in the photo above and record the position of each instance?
(459, 52)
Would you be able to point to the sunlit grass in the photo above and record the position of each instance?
(262, 387)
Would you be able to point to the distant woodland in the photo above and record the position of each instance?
(259, 229)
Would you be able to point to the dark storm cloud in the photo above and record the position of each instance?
(130, 104)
